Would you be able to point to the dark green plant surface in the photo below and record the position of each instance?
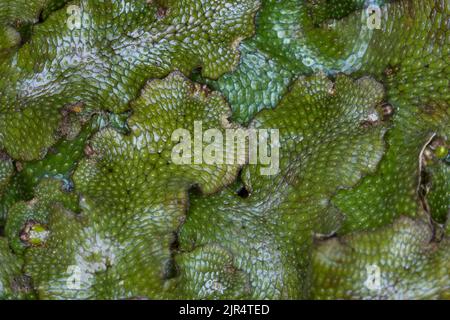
(92, 205)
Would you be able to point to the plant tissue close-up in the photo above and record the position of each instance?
(225, 149)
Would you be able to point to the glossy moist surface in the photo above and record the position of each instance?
(93, 205)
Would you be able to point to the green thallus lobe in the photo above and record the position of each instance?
(95, 207)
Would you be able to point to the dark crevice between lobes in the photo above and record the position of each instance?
(26, 29)
(171, 268)
(243, 193)
(429, 155)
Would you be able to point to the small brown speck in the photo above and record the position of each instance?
(388, 110)
(19, 166)
(161, 13)
(25, 232)
(77, 108)
(89, 151)
(390, 71)
(367, 124)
